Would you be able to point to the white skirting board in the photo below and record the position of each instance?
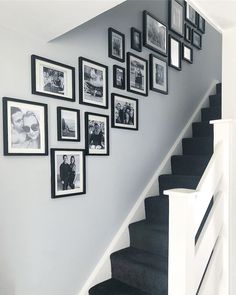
(102, 270)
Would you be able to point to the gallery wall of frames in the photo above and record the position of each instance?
(25, 123)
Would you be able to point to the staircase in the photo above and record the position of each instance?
(142, 268)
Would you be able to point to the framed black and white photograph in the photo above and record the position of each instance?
(116, 45)
(93, 81)
(176, 17)
(25, 127)
(196, 40)
(68, 124)
(190, 14)
(201, 24)
(68, 176)
(124, 112)
(154, 33)
(118, 77)
(96, 134)
(52, 79)
(137, 74)
(158, 74)
(187, 53)
(136, 39)
(174, 53)
(187, 33)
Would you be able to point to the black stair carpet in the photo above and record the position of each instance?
(142, 268)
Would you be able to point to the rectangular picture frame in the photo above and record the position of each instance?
(176, 17)
(96, 134)
(158, 68)
(136, 39)
(68, 124)
(25, 128)
(190, 14)
(201, 24)
(119, 77)
(52, 79)
(175, 53)
(116, 45)
(196, 40)
(120, 116)
(93, 83)
(187, 33)
(187, 53)
(68, 172)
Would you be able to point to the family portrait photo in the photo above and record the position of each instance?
(96, 136)
(176, 17)
(116, 45)
(68, 172)
(25, 127)
(155, 33)
(93, 83)
(158, 74)
(124, 112)
(137, 75)
(68, 124)
(118, 77)
(53, 79)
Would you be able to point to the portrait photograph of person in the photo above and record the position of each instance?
(158, 74)
(67, 172)
(124, 112)
(25, 127)
(116, 45)
(96, 134)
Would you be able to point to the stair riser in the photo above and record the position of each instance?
(210, 114)
(215, 100)
(219, 88)
(157, 210)
(198, 148)
(202, 130)
(193, 166)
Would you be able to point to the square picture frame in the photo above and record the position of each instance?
(25, 128)
(175, 53)
(93, 83)
(190, 14)
(137, 74)
(187, 53)
(116, 45)
(196, 40)
(176, 17)
(158, 74)
(52, 79)
(201, 24)
(96, 134)
(124, 112)
(187, 33)
(119, 77)
(155, 33)
(68, 172)
(136, 39)
(68, 124)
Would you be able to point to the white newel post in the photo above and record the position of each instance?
(223, 133)
(181, 242)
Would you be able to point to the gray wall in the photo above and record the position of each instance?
(50, 246)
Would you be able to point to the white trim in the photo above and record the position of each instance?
(102, 270)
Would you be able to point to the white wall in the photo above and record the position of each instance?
(49, 247)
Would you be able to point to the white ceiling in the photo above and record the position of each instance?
(48, 19)
(221, 13)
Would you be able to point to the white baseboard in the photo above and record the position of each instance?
(102, 270)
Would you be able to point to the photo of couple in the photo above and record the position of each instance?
(67, 173)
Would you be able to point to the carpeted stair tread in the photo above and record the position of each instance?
(150, 237)
(189, 164)
(215, 100)
(202, 129)
(198, 146)
(212, 113)
(115, 287)
(141, 269)
(170, 181)
(157, 210)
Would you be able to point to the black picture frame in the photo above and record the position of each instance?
(158, 81)
(136, 39)
(185, 56)
(89, 91)
(71, 133)
(201, 24)
(119, 77)
(122, 121)
(24, 140)
(55, 88)
(173, 26)
(175, 56)
(187, 33)
(69, 177)
(195, 38)
(136, 73)
(150, 42)
(91, 121)
(120, 48)
(190, 14)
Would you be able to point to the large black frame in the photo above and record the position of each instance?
(6, 152)
(195, 44)
(34, 58)
(145, 93)
(179, 54)
(133, 45)
(151, 64)
(181, 34)
(110, 32)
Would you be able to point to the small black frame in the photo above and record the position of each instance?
(151, 64)
(179, 53)
(187, 33)
(201, 24)
(191, 53)
(193, 23)
(171, 26)
(112, 31)
(134, 32)
(122, 82)
(194, 43)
